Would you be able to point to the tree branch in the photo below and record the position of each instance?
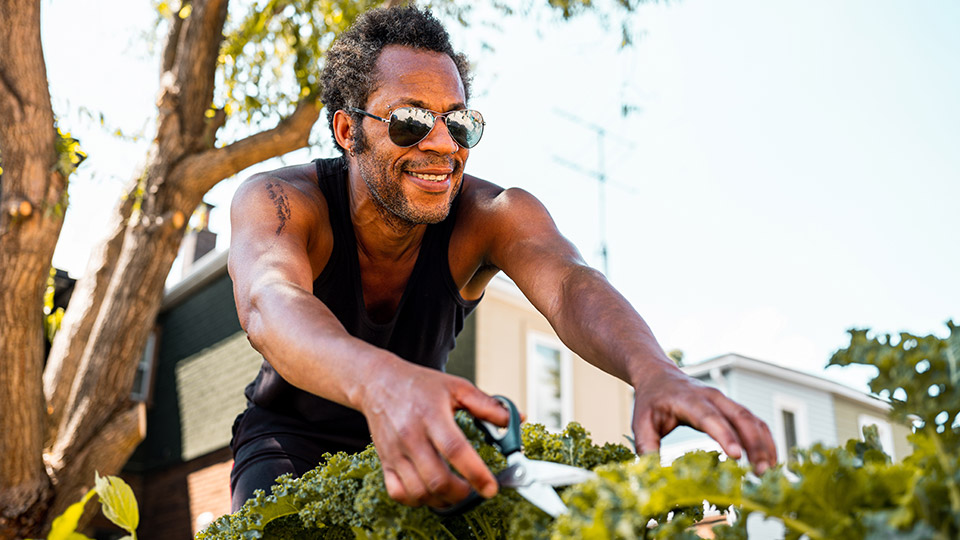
(80, 317)
(202, 171)
(195, 72)
(170, 49)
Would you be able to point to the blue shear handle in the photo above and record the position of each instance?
(506, 439)
(471, 502)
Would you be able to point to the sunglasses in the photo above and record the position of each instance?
(410, 125)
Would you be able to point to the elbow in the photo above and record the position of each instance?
(576, 285)
(252, 321)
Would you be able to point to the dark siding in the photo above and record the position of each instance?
(463, 358)
(202, 320)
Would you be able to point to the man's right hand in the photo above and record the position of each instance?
(410, 410)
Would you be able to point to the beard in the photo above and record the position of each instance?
(385, 184)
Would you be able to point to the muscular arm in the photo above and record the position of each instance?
(597, 323)
(274, 226)
(280, 242)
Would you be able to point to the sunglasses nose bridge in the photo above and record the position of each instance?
(447, 141)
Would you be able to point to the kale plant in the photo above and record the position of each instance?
(852, 491)
(345, 497)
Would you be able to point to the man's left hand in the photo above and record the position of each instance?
(671, 398)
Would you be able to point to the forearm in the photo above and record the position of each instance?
(599, 324)
(303, 340)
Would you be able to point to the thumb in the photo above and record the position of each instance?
(647, 438)
(482, 405)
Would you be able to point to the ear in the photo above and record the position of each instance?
(343, 129)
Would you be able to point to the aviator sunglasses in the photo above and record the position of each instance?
(410, 125)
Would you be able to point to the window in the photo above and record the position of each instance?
(789, 426)
(789, 432)
(549, 382)
(143, 378)
(884, 430)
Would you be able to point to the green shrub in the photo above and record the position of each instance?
(851, 492)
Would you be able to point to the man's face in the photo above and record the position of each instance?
(416, 184)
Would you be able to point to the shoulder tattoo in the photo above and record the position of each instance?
(281, 202)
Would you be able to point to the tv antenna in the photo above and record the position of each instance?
(600, 174)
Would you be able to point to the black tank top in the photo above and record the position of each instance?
(423, 329)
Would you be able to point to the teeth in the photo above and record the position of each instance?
(430, 177)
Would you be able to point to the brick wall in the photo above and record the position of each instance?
(175, 500)
(209, 490)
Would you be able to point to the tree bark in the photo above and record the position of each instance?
(80, 317)
(76, 416)
(114, 307)
(29, 227)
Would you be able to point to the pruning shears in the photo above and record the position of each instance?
(533, 479)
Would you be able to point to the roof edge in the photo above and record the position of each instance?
(210, 267)
(734, 360)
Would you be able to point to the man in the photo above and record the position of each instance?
(352, 277)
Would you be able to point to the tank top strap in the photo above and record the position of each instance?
(331, 178)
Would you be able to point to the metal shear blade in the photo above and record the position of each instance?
(535, 480)
(532, 479)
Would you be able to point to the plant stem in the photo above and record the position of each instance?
(724, 500)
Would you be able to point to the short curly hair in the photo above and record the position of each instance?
(347, 78)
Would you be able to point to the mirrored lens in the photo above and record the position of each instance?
(466, 127)
(409, 125)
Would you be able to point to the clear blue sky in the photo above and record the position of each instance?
(793, 170)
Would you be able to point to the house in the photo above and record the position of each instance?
(801, 409)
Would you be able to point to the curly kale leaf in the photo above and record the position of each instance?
(921, 377)
(571, 447)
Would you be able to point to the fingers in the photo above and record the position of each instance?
(714, 424)
(419, 442)
(646, 436)
(734, 427)
(457, 450)
(415, 475)
(754, 433)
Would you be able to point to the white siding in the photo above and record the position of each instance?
(759, 393)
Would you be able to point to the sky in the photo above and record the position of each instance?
(791, 169)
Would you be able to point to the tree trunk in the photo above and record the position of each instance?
(29, 226)
(115, 304)
(76, 417)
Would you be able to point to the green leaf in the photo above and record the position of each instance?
(118, 502)
(65, 525)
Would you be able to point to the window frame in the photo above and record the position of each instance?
(148, 366)
(534, 369)
(784, 403)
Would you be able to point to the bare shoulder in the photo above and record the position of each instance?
(485, 200)
(282, 207)
(294, 185)
(499, 210)
(495, 225)
(509, 229)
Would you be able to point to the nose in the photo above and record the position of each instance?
(439, 139)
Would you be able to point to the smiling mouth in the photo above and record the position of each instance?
(428, 177)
